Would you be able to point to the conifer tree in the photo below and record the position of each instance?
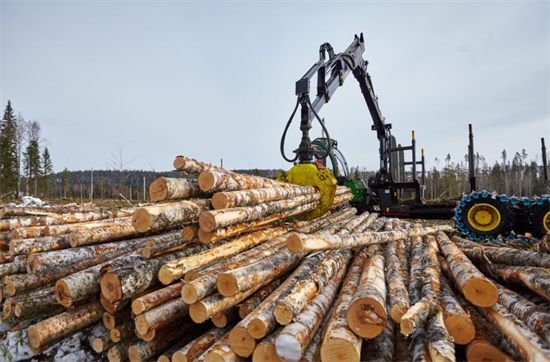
(65, 181)
(47, 174)
(8, 151)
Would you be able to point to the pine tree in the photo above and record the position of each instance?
(8, 151)
(32, 164)
(65, 181)
(47, 174)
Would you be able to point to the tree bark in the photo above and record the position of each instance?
(54, 329)
(110, 321)
(220, 352)
(28, 232)
(198, 346)
(225, 200)
(440, 343)
(98, 235)
(429, 302)
(381, 348)
(156, 298)
(119, 352)
(265, 351)
(293, 341)
(474, 285)
(257, 298)
(261, 321)
(313, 350)
(7, 211)
(298, 242)
(191, 166)
(39, 245)
(205, 285)
(190, 232)
(36, 303)
(216, 219)
(398, 294)
(218, 180)
(164, 188)
(339, 341)
(248, 276)
(457, 321)
(143, 351)
(290, 306)
(223, 319)
(168, 215)
(527, 343)
(366, 314)
(161, 315)
(17, 267)
(176, 269)
(166, 247)
(502, 255)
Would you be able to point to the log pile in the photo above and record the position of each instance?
(224, 267)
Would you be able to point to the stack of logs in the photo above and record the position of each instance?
(224, 267)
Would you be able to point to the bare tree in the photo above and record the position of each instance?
(21, 131)
(117, 163)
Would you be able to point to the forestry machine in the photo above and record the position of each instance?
(320, 163)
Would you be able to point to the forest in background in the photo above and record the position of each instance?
(26, 168)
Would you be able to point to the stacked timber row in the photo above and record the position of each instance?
(224, 268)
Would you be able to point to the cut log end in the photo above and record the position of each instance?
(166, 276)
(257, 329)
(189, 232)
(336, 349)
(142, 326)
(33, 335)
(207, 221)
(205, 236)
(133, 354)
(179, 357)
(213, 357)
(189, 294)
(206, 181)
(158, 190)
(283, 314)
(110, 287)
(227, 284)
(288, 347)
(98, 345)
(219, 201)
(219, 320)
(138, 307)
(73, 239)
(11, 288)
(63, 294)
(265, 352)
(367, 318)
(396, 312)
(241, 342)
(460, 328)
(198, 312)
(294, 243)
(114, 355)
(115, 335)
(163, 358)
(146, 252)
(481, 292)
(141, 221)
(479, 351)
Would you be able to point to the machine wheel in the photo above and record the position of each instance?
(487, 217)
(538, 220)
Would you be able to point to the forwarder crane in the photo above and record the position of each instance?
(478, 215)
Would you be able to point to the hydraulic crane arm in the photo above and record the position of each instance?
(336, 67)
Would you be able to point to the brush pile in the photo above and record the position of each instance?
(224, 267)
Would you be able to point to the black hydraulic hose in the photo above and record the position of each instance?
(324, 129)
(286, 129)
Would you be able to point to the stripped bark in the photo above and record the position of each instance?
(168, 215)
(297, 242)
(39, 245)
(456, 319)
(156, 298)
(293, 341)
(261, 321)
(161, 315)
(56, 230)
(474, 285)
(98, 235)
(164, 188)
(290, 306)
(216, 219)
(398, 294)
(54, 329)
(225, 200)
(177, 268)
(35, 303)
(198, 346)
(339, 342)
(440, 343)
(28, 232)
(366, 314)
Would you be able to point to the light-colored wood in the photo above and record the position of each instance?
(223, 319)
(221, 352)
(257, 298)
(101, 234)
(190, 232)
(165, 188)
(225, 200)
(198, 346)
(456, 319)
(38, 245)
(168, 215)
(161, 315)
(141, 351)
(440, 343)
(265, 351)
(218, 179)
(156, 298)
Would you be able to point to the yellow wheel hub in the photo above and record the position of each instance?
(546, 222)
(486, 217)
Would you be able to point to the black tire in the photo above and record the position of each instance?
(506, 217)
(535, 219)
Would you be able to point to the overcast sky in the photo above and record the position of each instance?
(215, 80)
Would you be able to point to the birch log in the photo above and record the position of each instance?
(161, 315)
(98, 235)
(164, 188)
(217, 180)
(399, 296)
(177, 268)
(456, 319)
(474, 285)
(17, 267)
(293, 341)
(198, 346)
(189, 232)
(225, 200)
(191, 166)
(168, 215)
(366, 314)
(266, 351)
(339, 342)
(257, 298)
(216, 219)
(290, 306)
(381, 348)
(297, 242)
(220, 352)
(143, 351)
(226, 317)
(54, 329)
(28, 232)
(38, 245)
(156, 298)
(440, 344)
(166, 247)
(261, 321)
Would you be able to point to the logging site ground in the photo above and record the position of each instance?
(271, 181)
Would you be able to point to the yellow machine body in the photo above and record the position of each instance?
(310, 175)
